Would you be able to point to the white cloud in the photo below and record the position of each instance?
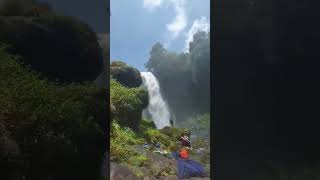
(180, 20)
(151, 4)
(201, 24)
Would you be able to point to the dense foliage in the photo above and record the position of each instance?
(121, 141)
(184, 77)
(129, 131)
(59, 47)
(146, 124)
(48, 130)
(126, 149)
(175, 133)
(126, 75)
(127, 104)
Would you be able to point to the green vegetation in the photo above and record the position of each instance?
(128, 133)
(145, 125)
(52, 129)
(184, 77)
(52, 121)
(154, 135)
(184, 83)
(121, 150)
(121, 141)
(175, 133)
(124, 149)
(127, 104)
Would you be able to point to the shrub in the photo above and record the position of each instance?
(121, 148)
(154, 135)
(175, 133)
(56, 128)
(121, 141)
(127, 104)
(146, 125)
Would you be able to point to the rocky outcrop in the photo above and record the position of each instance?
(119, 172)
(58, 47)
(164, 168)
(126, 75)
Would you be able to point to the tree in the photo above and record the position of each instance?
(184, 77)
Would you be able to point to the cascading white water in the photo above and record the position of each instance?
(157, 107)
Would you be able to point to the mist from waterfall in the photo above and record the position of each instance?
(157, 107)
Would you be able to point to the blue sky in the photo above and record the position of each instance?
(136, 25)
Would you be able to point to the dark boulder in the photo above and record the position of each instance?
(126, 75)
(58, 47)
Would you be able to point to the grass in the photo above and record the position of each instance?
(121, 148)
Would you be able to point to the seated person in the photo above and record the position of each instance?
(185, 141)
(186, 167)
(146, 145)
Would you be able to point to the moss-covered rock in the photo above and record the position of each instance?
(55, 127)
(127, 104)
(59, 47)
(126, 75)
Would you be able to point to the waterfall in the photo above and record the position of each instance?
(157, 107)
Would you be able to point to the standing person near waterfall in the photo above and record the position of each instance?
(171, 122)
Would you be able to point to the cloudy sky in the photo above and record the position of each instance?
(136, 25)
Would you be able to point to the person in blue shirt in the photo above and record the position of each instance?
(146, 145)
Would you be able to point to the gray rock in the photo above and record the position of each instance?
(200, 151)
(119, 172)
